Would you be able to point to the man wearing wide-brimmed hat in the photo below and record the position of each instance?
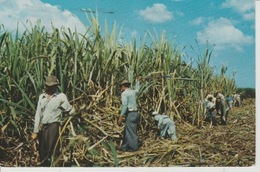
(51, 105)
(129, 111)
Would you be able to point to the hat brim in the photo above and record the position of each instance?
(51, 83)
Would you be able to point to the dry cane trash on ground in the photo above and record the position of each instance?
(90, 140)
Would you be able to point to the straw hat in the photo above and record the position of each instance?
(218, 97)
(125, 82)
(51, 80)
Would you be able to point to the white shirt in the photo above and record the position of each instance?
(50, 110)
(210, 105)
(128, 98)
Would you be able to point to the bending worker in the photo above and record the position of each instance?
(165, 125)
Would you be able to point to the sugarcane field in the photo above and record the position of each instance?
(91, 70)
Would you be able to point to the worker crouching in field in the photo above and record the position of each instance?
(210, 111)
(166, 125)
(129, 111)
(51, 105)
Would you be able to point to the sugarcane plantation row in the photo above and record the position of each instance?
(73, 100)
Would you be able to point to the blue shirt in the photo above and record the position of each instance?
(228, 99)
(166, 125)
(162, 119)
(128, 98)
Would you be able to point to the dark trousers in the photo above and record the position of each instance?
(130, 140)
(211, 117)
(48, 137)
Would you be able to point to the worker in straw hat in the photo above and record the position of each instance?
(129, 112)
(165, 125)
(51, 105)
(210, 114)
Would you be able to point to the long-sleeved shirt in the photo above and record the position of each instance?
(166, 125)
(210, 105)
(128, 98)
(162, 120)
(50, 110)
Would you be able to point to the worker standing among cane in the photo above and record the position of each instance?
(129, 111)
(51, 105)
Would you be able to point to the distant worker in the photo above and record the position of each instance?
(206, 101)
(213, 98)
(229, 101)
(220, 95)
(210, 111)
(165, 125)
(221, 109)
(237, 100)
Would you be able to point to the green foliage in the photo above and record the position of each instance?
(88, 63)
(246, 92)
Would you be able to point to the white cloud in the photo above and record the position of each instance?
(158, 13)
(197, 21)
(22, 11)
(244, 7)
(224, 34)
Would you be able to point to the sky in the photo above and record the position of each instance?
(226, 25)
